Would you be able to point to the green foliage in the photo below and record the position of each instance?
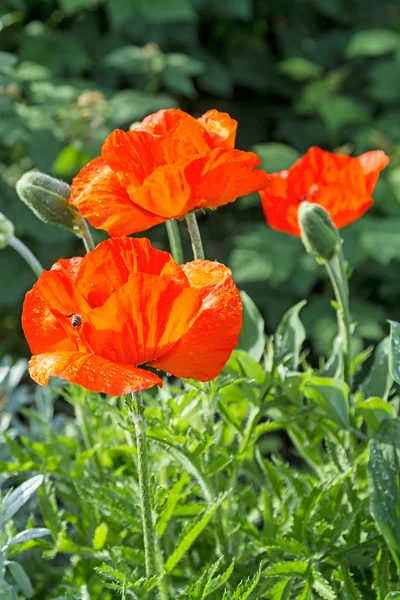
(238, 514)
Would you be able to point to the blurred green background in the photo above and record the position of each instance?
(294, 73)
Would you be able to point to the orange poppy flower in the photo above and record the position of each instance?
(341, 184)
(97, 320)
(166, 167)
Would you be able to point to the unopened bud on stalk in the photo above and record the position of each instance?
(319, 234)
(6, 231)
(48, 197)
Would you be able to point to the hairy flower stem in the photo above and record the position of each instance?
(136, 410)
(26, 254)
(195, 236)
(337, 275)
(87, 237)
(174, 238)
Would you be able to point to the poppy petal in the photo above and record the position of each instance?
(223, 176)
(204, 349)
(339, 183)
(91, 372)
(186, 135)
(99, 196)
(43, 331)
(372, 164)
(58, 290)
(166, 192)
(220, 127)
(142, 320)
(108, 267)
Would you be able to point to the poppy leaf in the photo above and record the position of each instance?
(290, 335)
(384, 483)
(252, 337)
(190, 535)
(379, 380)
(332, 395)
(394, 351)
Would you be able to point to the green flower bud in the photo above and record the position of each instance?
(319, 234)
(6, 231)
(48, 197)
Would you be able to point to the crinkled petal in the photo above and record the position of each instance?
(108, 267)
(186, 135)
(43, 331)
(91, 372)
(220, 127)
(166, 192)
(372, 164)
(223, 176)
(58, 289)
(204, 349)
(339, 183)
(142, 320)
(99, 196)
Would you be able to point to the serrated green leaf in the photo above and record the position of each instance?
(172, 500)
(189, 537)
(350, 590)
(186, 461)
(382, 573)
(245, 588)
(289, 568)
(323, 587)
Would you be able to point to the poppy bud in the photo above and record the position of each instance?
(319, 234)
(48, 197)
(6, 231)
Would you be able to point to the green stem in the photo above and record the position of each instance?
(195, 236)
(174, 238)
(336, 272)
(26, 254)
(87, 237)
(136, 410)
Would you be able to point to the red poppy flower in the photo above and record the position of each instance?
(97, 320)
(166, 167)
(341, 184)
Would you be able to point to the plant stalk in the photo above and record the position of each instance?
(175, 242)
(337, 275)
(86, 237)
(26, 254)
(136, 411)
(195, 236)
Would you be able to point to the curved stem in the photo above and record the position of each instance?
(195, 236)
(337, 275)
(87, 237)
(136, 410)
(174, 238)
(26, 254)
